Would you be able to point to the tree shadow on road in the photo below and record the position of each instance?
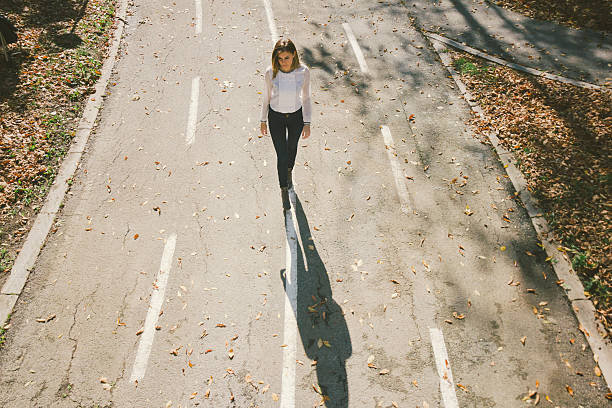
(320, 319)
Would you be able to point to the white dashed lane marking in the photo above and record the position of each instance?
(157, 298)
(402, 191)
(447, 387)
(356, 49)
(193, 111)
(198, 25)
(290, 327)
(271, 23)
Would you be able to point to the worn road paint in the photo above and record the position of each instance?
(157, 298)
(447, 387)
(397, 172)
(356, 48)
(290, 327)
(198, 26)
(193, 110)
(271, 24)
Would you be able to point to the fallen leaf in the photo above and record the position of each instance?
(46, 319)
(463, 387)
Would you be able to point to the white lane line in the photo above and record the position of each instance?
(397, 172)
(157, 298)
(271, 24)
(290, 328)
(447, 387)
(198, 26)
(356, 49)
(193, 110)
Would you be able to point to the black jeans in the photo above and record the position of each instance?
(285, 129)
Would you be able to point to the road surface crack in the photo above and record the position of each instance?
(125, 236)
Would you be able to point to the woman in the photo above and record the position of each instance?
(286, 108)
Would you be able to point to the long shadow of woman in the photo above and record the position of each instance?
(320, 319)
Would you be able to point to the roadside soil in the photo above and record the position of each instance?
(592, 14)
(574, 126)
(43, 89)
(561, 136)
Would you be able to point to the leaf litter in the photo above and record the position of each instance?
(561, 136)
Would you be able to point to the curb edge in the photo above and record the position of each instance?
(36, 238)
(583, 308)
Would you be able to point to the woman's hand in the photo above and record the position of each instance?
(264, 128)
(306, 132)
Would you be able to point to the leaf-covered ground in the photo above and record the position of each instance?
(561, 136)
(43, 87)
(593, 14)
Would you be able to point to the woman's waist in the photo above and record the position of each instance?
(275, 112)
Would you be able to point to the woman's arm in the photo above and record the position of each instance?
(306, 105)
(266, 101)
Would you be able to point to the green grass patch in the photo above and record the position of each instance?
(467, 67)
(594, 287)
(3, 330)
(6, 260)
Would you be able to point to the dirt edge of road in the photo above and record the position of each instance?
(45, 86)
(488, 124)
(52, 139)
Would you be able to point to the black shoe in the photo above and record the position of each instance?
(285, 197)
(289, 178)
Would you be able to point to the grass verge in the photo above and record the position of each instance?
(561, 136)
(43, 89)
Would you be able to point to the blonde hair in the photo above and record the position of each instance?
(284, 45)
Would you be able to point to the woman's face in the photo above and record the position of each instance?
(285, 60)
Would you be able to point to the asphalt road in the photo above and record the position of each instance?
(173, 278)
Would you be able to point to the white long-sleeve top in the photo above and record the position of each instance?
(287, 93)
